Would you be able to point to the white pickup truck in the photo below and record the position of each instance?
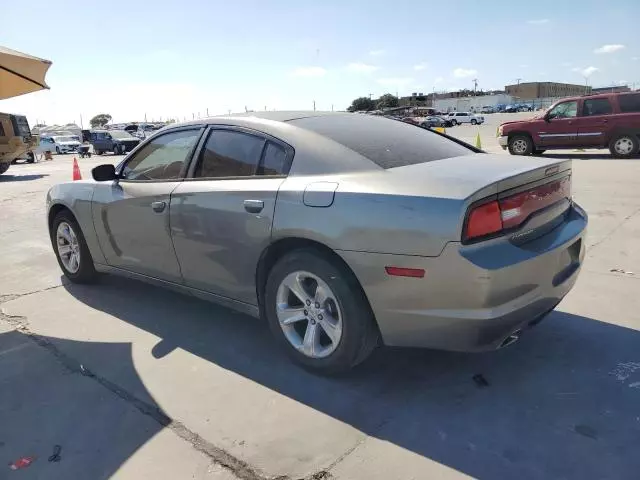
(458, 118)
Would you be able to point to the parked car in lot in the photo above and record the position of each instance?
(458, 118)
(342, 231)
(16, 140)
(117, 141)
(610, 120)
(58, 144)
(430, 122)
(487, 109)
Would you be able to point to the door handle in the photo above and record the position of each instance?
(253, 206)
(158, 207)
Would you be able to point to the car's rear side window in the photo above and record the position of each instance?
(387, 143)
(229, 154)
(629, 103)
(596, 106)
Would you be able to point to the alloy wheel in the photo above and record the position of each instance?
(68, 247)
(309, 314)
(519, 146)
(623, 146)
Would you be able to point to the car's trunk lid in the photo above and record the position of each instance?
(473, 177)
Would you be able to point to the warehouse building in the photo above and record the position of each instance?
(532, 90)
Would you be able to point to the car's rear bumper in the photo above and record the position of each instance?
(472, 297)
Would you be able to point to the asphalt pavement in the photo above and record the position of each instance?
(135, 382)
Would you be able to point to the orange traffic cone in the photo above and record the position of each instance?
(76, 170)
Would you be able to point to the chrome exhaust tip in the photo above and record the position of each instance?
(513, 338)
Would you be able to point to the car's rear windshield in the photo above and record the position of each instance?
(386, 142)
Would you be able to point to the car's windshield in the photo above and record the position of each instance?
(121, 134)
(65, 139)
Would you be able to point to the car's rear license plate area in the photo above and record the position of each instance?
(568, 263)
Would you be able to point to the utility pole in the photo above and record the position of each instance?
(475, 86)
(518, 80)
(370, 96)
(207, 111)
(332, 107)
(314, 105)
(229, 112)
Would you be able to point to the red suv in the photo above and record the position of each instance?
(609, 120)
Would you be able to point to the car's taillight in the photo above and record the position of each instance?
(510, 212)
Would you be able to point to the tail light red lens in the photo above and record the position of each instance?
(484, 220)
(510, 212)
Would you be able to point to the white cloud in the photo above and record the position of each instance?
(464, 72)
(438, 80)
(540, 21)
(420, 66)
(309, 72)
(609, 48)
(586, 72)
(377, 53)
(395, 81)
(361, 68)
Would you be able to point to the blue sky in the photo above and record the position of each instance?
(175, 59)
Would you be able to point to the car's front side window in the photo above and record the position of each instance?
(564, 110)
(229, 153)
(163, 158)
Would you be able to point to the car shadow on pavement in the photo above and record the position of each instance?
(22, 178)
(44, 403)
(557, 404)
(585, 156)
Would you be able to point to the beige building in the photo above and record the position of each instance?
(531, 90)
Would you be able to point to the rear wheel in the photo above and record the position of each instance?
(624, 146)
(318, 312)
(454, 122)
(4, 167)
(31, 157)
(71, 249)
(520, 145)
(474, 121)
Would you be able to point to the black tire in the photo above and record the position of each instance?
(97, 152)
(359, 331)
(31, 157)
(538, 151)
(474, 121)
(520, 145)
(4, 167)
(454, 122)
(86, 272)
(116, 149)
(628, 139)
(58, 151)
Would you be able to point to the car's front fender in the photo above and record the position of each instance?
(76, 197)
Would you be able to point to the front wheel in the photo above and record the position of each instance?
(58, 151)
(474, 121)
(4, 167)
(71, 249)
(624, 146)
(454, 122)
(318, 312)
(520, 145)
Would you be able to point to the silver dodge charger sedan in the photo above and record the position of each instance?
(343, 231)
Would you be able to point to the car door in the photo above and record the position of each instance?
(594, 122)
(221, 215)
(131, 214)
(560, 128)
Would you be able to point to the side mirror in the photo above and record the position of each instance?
(547, 117)
(104, 173)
